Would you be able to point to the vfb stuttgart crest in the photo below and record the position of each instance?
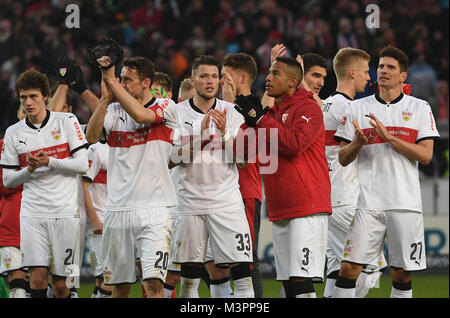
(56, 133)
(406, 115)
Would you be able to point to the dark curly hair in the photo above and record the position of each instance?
(32, 79)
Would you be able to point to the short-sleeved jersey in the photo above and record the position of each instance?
(388, 179)
(344, 180)
(98, 155)
(139, 154)
(47, 192)
(210, 182)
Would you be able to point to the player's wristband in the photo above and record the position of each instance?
(159, 113)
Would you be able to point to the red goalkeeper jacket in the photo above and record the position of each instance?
(301, 184)
(9, 212)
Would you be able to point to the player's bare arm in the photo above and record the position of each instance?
(422, 151)
(349, 151)
(90, 99)
(305, 85)
(96, 223)
(277, 50)
(94, 131)
(58, 100)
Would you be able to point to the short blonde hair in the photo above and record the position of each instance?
(186, 89)
(345, 57)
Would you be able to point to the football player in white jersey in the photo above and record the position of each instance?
(162, 87)
(95, 195)
(351, 67)
(388, 133)
(140, 190)
(49, 150)
(70, 75)
(210, 204)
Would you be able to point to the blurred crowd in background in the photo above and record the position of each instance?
(173, 32)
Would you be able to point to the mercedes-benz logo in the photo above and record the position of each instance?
(370, 137)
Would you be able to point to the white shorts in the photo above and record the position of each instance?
(129, 234)
(52, 243)
(404, 233)
(209, 255)
(338, 227)
(173, 267)
(229, 234)
(10, 259)
(299, 247)
(94, 244)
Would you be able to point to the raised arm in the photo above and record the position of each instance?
(277, 51)
(94, 130)
(130, 104)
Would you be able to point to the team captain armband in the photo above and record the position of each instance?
(159, 113)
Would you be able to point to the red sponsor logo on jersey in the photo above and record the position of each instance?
(78, 131)
(140, 136)
(59, 152)
(404, 133)
(166, 103)
(342, 123)
(90, 163)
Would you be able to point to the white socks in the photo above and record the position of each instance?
(308, 295)
(168, 292)
(243, 288)
(189, 287)
(18, 293)
(401, 290)
(329, 287)
(396, 293)
(366, 282)
(221, 289)
(343, 292)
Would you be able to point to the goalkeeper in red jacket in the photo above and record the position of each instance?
(298, 192)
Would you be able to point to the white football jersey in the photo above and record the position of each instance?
(139, 154)
(344, 180)
(48, 192)
(388, 179)
(98, 155)
(174, 175)
(210, 182)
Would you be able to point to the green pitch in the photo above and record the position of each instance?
(424, 286)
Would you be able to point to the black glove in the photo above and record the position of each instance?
(250, 107)
(66, 70)
(107, 47)
(69, 72)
